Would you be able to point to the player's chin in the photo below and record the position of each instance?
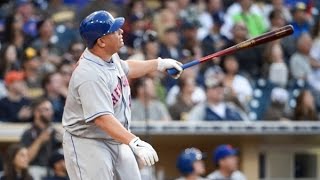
(121, 44)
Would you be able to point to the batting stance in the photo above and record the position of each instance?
(97, 143)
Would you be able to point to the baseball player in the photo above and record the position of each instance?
(225, 158)
(97, 143)
(190, 164)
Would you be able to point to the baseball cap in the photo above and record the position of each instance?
(149, 36)
(190, 24)
(22, 2)
(55, 157)
(13, 76)
(299, 6)
(223, 151)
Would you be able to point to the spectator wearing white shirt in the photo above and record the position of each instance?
(237, 85)
(215, 108)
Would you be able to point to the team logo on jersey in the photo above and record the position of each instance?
(116, 94)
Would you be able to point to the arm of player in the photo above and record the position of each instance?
(138, 68)
(114, 128)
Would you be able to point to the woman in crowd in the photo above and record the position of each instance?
(16, 164)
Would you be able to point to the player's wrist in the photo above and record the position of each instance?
(134, 141)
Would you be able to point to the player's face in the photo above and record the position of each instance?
(199, 168)
(113, 41)
(230, 163)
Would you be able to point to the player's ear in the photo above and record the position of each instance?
(101, 42)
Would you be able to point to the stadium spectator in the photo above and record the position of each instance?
(149, 47)
(190, 164)
(74, 52)
(277, 21)
(249, 59)
(57, 164)
(180, 109)
(315, 54)
(144, 106)
(166, 18)
(255, 23)
(9, 60)
(226, 160)
(16, 163)
(134, 37)
(42, 139)
(27, 11)
(197, 96)
(300, 61)
(65, 69)
(14, 35)
(247, 12)
(305, 109)
(55, 91)
(189, 41)
(278, 72)
(277, 109)
(215, 107)
(300, 19)
(150, 50)
(237, 86)
(278, 5)
(210, 12)
(31, 67)
(15, 107)
(170, 47)
(214, 41)
(47, 44)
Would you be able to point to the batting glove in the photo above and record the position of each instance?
(164, 64)
(144, 151)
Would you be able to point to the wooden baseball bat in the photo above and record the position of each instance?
(264, 38)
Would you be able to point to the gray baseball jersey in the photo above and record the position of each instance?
(97, 88)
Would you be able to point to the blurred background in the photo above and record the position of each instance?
(259, 106)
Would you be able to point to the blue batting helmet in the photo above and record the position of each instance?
(98, 24)
(187, 158)
(223, 151)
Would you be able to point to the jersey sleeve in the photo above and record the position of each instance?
(96, 99)
(125, 66)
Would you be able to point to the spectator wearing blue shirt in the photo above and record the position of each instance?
(55, 91)
(300, 22)
(15, 107)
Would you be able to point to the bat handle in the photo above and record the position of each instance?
(173, 71)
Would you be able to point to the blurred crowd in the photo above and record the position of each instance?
(40, 46)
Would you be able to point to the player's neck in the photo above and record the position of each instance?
(192, 177)
(101, 53)
(225, 173)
